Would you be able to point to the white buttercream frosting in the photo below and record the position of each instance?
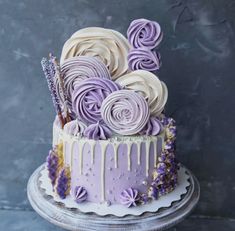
(110, 46)
(147, 84)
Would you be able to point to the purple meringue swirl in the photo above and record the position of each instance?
(152, 128)
(125, 112)
(88, 96)
(76, 69)
(144, 59)
(80, 194)
(97, 131)
(129, 197)
(144, 33)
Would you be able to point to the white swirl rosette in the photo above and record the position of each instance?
(110, 46)
(125, 112)
(149, 86)
(74, 128)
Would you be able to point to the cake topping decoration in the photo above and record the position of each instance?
(152, 128)
(53, 165)
(110, 46)
(144, 59)
(75, 128)
(129, 197)
(60, 88)
(148, 85)
(88, 96)
(98, 131)
(63, 183)
(144, 33)
(48, 70)
(80, 194)
(76, 69)
(125, 112)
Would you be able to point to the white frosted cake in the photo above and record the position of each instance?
(112, 143)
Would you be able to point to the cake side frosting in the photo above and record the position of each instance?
(107, 167)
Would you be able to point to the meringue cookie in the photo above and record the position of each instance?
(110, 46)
(149, 86)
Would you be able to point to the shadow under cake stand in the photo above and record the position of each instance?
(73, 219)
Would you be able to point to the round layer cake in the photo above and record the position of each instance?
(112, 142)
(105, 168)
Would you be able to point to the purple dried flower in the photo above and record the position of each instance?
(153, 192)
(63, 183)
(129, 197)
(161, 168)
(80, 194)
(52, 166)
(144, 198)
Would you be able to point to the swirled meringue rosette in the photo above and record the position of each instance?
(88, 96)
(125, 112)
(74, 128)
(144, 59)
(149, 86)
(110, 46)
(79, 68)
(144, 33)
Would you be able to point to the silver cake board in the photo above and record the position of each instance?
(73, 219)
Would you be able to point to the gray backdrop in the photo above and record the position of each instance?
(198, 68)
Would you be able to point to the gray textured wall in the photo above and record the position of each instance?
(198, 67)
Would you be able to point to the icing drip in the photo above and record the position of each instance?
(92, 151)
(129, 145)
(71, 154)
(80, 151)
(138, 151)
(155, 153)
(147, 147)
(115, 148)
(102, 173)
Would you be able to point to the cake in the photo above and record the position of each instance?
(112, 142)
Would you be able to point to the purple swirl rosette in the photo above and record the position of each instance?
(125, 112)
(76, 69)
(98, 131)
(152, 128)
(88, 96)
(144, 33)
(144, 59)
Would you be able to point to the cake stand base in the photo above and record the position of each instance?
(72, 219)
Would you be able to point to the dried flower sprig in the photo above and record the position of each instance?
(51, 85)
(62, 186)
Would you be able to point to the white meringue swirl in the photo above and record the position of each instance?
(125, 112)
(149, 86)
(110, 46)
(74, 128)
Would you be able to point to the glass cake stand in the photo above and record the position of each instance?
(73, 219)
